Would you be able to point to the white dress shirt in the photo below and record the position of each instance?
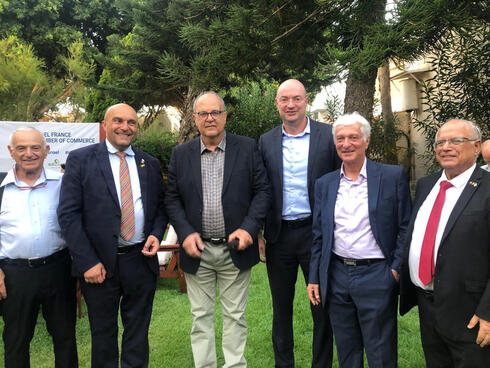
(353, 237)
(139, 215)
(452, 195)
(28, 221)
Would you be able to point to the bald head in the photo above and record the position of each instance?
(291, 102)
(121, 125)
(485, 151)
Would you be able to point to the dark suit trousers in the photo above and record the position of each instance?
(52, 287)
(441, 352)
(362, 303)
(293, 249)
(132, 288)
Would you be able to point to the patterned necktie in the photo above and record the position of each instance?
(426, 265)
(127, 208)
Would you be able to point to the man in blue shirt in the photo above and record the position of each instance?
(35, 264)
(295, 154)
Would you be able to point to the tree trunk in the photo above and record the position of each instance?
(389, 119)
(359, 93)
(188, 129)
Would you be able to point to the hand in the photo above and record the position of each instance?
(314, 293)
(3, 288)
(261, 248)
(483, 337)
(244, 238)
(396, 275)
(95, 275)
(151, 246)
(193, 245)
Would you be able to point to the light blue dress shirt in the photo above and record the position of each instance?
(28, 222)
(139, 215)
(295, 149)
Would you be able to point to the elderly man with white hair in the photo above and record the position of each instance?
(359, 223)
(34, 260)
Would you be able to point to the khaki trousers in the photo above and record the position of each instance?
(217, 270)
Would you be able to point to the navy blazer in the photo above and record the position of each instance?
(462, 272)
(322, 158)
(89, 213)
(389, 213)
(245, 195)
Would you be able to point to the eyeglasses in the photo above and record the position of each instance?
(453, 141)
(214, 114)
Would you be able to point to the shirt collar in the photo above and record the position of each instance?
(306, 130)
(11, 178)
(461, 179)
(362, 173)
(221, 145)
(129, 151)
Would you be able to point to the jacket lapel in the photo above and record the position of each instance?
(333, 188)
(105, 166)
(374, 176)
(194, 160)
(141, 165)
(463, 200)
(315, 138)
(230, 158)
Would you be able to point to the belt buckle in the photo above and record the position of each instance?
(34, 262)
(350, 262)
(216, 241)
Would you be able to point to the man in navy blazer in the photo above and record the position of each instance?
(295, 154)
(454, 300)
(217, 193)
(359, 224)
(116, 262)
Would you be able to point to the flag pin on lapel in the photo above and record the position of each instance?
(472, 183)
(142, 163)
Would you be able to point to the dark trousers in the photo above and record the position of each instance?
(293, 249)
(441, 352)
(133, 288)
(51, 287)
(362, 303)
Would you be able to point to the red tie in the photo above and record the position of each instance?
(127, 207)
(426, 265)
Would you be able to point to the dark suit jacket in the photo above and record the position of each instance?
(322, 158)
(89, 212)
(462, 273)
(245, 195)
(389, 213)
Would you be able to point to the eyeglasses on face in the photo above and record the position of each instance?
(204, 114)
(456, 141)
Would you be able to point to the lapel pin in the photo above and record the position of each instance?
(142, 163)
(472, 183)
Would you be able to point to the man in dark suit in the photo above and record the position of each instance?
(446, 269)
(112, 216)
(295, 154)
(359, 224)
(217, 193)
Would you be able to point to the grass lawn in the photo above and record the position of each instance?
(171, 323)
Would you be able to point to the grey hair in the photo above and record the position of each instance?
(476, 132)
(202, 94)
(351, 119)
(26, 129)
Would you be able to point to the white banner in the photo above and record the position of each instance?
(61, 138)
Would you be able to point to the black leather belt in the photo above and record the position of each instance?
(294, 224)
(357, 262)
(428, 294)
(215, 240)
(36, 262)
(128, 248)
